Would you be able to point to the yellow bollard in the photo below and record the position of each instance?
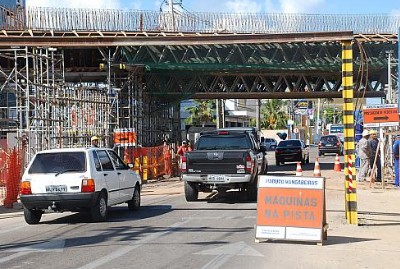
(145, 167)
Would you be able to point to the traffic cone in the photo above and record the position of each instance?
(299, 171)
(317, 169)
(337, 166)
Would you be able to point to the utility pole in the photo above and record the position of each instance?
(389, 100)
(258, 116)
(398, 70)
(318, 117)
(171, 5)
(389, 90)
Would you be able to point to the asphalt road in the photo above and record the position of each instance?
(215, 232)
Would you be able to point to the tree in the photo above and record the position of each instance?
(273, 115)
(201, 113)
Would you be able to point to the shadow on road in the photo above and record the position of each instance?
(115, 214)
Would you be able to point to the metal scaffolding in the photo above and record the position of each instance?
(154, 118)
(41, 110)
(48, 112)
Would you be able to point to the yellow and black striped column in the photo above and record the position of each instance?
(348, 120)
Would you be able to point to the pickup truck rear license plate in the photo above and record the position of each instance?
(56, 188)
(219, 178)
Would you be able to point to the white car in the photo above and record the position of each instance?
(78, 179)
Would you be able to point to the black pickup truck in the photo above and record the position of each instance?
(223, 160)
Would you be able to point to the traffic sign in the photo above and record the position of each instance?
(291, 208)
(386, 114)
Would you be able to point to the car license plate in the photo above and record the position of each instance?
(329, 145)
(56, 188)
(218, 178)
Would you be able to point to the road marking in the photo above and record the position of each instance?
(122, 251)
(13, 256)
(12, 229)
(226, 252)
(53, 246)
(219, 218)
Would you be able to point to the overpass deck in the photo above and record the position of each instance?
(132, 67)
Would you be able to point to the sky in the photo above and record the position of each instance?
(239, 6)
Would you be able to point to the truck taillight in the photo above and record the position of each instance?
(87, 185)
(183, 164)
(26, 187)
(249, 164)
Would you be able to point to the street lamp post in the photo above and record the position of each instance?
(389, 74)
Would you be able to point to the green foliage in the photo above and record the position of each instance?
(333, 115)
(201, 113)
(274, 114)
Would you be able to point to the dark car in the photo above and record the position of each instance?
(330, 144)
(292, 150)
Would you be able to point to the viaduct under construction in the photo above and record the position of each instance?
(68, 74)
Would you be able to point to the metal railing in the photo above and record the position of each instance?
(11, 19)
(68, 19)
(38, 18)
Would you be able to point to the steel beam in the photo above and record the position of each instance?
(90, 39)
(273, 95)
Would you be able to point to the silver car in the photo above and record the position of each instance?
(269, 143)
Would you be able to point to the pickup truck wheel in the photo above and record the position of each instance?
(252, 191)
(100, 210)
(266, 169)
(32, 216)
(134, 203)
(191, 192)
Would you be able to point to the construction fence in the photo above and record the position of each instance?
(10, 175)
(149, 162)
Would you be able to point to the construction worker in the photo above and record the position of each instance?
(95, 141)
(364, 153)
(167, 159)
(375, 160)
(183, 148)
(181, 151)
(396, 151)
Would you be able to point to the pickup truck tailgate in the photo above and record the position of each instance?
(217, 162)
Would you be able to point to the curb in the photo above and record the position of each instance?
(16, 210)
